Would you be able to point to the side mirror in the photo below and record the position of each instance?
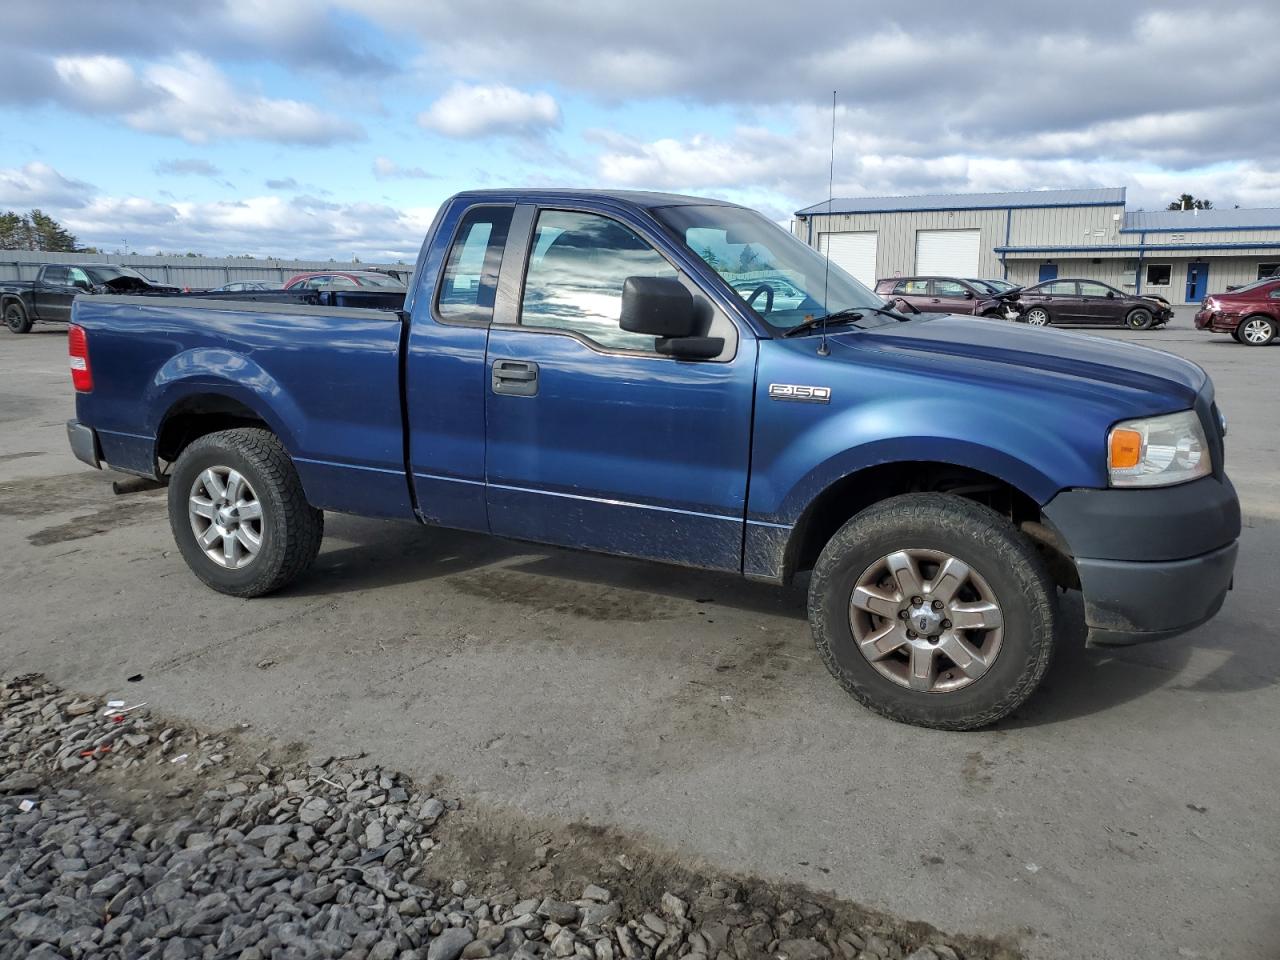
(657, 306)
(968, 294)
(1111, 294)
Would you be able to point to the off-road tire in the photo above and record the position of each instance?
(292, 528)
(1140, 318)
(15, 317)
(988, 543)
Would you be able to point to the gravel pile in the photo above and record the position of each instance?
(123, 836)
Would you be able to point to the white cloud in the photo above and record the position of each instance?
(471, 111)
(40, 185)
(384, 168)
(100, 82)
(291, 227)
(188, 166)
(199, 104)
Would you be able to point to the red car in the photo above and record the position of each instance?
(1250, 313)
(348, 279)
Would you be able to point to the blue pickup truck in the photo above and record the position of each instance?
(680, 379)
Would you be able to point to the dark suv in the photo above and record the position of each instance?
(1089, 303)
(1250, 313)
(942, 295)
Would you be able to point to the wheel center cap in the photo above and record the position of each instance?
(924, 619)
(226, 515)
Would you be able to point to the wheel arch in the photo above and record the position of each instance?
(199, 414)
(846, 496)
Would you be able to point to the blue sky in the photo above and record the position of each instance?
(318, 129)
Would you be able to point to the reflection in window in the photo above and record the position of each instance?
(470, 281)
(576, 272)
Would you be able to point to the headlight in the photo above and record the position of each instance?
(1157, 451)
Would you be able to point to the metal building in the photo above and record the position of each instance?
(1035, 235)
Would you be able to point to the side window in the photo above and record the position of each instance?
(949, 288)
(1093, 290)
(1058, 288)
(576, 271)
(78, 277)
(912, 288)
(469, 282)
(316, 283)
(56, 275)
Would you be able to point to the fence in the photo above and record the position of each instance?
(194, 272)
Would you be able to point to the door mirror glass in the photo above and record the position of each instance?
(658, 306)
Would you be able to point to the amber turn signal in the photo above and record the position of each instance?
(1126, 448)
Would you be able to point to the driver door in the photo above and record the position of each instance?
(54, 295)
(594, 439)
(1099, 304)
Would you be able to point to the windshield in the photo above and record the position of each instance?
(1257, 283)
(378, 280)
(782, 279)
(106, 274)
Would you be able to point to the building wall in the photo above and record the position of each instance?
(196, 272)
(1201, 237)
(896, 235)
(1065, 226)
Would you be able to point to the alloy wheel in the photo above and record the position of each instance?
(926, 620)
(1038, 318)
(226, 517)
(1257, 331)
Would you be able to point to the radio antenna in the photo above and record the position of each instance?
(823, 349)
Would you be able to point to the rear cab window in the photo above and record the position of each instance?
(469, 282)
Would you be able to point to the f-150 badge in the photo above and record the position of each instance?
(799, 391)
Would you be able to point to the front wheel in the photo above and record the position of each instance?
(239, 515)
(1139, 319)
(1037, 317)
(15, 318)
(933, 610)
(1257, 331)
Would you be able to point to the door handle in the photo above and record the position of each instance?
(515, 378)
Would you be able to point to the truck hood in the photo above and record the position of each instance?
(1072, 362)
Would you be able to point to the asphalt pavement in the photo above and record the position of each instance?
(1128, 811)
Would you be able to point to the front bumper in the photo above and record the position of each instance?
(1128, 602)
(1152, 563)
(84, 443)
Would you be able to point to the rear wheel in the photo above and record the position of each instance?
(1256, 331)
(239, 515)
(15, 317)
(933, 610)
(1139, 319)
(1037, 317)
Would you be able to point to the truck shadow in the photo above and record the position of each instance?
(1081, 680)
(379, 554)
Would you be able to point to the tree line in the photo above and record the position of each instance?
(36, 230)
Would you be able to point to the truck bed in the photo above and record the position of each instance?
(325, 378)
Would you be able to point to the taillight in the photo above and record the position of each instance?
(78, 348)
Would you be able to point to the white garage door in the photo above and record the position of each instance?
(855, 252)
(948, 253)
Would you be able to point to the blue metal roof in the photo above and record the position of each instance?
(1103, 196)
(1178, 221)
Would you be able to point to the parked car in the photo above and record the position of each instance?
(1251, 314)
(943, 295)
(337, 279)
(47, 298)
(780, 293)
(244, 286)
(578, 369)
(1087, 303)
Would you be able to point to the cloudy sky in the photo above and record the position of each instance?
(336, 127)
